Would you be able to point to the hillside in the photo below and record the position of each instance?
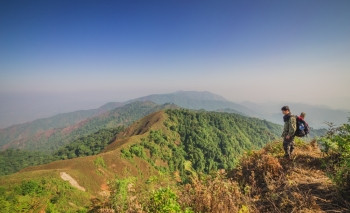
(264, 181)
(53, 139)
(316, 115)
(30, 129)
(52, 133)
(13, 160)
(164, 145)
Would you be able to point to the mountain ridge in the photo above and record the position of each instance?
(160, 150)
(54, 138)
(213, 102)
(197, 100)
(37, 130)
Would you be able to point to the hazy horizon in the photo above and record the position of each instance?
(61, 56)
(43, 107)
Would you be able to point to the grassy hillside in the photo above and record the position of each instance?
(204, 141)
(159, 150)
(33, 128)
(13, 160)
(53, 139)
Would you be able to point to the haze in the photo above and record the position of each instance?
(59, 56)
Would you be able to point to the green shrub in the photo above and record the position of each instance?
(99, 162)
(336, 144)
(126, 153)
(30, 188)
(52, 193)
(121, 195)
(137, 150)
(164, 200)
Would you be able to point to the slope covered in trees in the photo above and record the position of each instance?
(13, 160)
(30, 129)
(53, 139)
(175, 160)
(204, 141)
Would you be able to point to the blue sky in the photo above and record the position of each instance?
(65, 55)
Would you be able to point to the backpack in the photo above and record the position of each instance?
(302, 127)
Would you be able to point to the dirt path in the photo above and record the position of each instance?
(71, 180)
(304, 176)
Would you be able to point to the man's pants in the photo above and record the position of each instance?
(288, 146)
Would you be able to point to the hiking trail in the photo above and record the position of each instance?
(304, 175)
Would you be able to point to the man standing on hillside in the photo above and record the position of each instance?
(290, 126)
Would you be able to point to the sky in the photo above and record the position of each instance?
(60, 56)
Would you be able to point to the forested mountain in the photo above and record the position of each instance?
(30, 129)
(52, 139)
(51, 133)
(207, 140)
(316, 115)
(13, 160)
(176, 159)
(174, 143)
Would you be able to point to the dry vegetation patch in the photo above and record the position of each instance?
(276, 184)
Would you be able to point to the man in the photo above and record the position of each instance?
(302, 127)
(290, 126)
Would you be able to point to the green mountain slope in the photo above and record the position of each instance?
(13, 160)
(37, 130)
(30, 129)
(208, 140)
(166, 146)
(53, 139)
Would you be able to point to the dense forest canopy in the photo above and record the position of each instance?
(207, 140)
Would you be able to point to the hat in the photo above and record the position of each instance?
(285, 108)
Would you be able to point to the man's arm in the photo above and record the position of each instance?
(285, 130)
(292, 127)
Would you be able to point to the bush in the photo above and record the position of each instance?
(164, 200)
(123, 195)
(137, 150)
(214, 193)
(99, 162)
(336, 144)
(30, 188)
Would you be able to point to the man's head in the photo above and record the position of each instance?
(302, 115)
(285, 110)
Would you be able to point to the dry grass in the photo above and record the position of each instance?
(280, 185)
(214, 193)
(86, 173)
(263, 182)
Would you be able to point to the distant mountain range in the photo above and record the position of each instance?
(316, 115)
(54, 132)
(50, 134)
(197, 100)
